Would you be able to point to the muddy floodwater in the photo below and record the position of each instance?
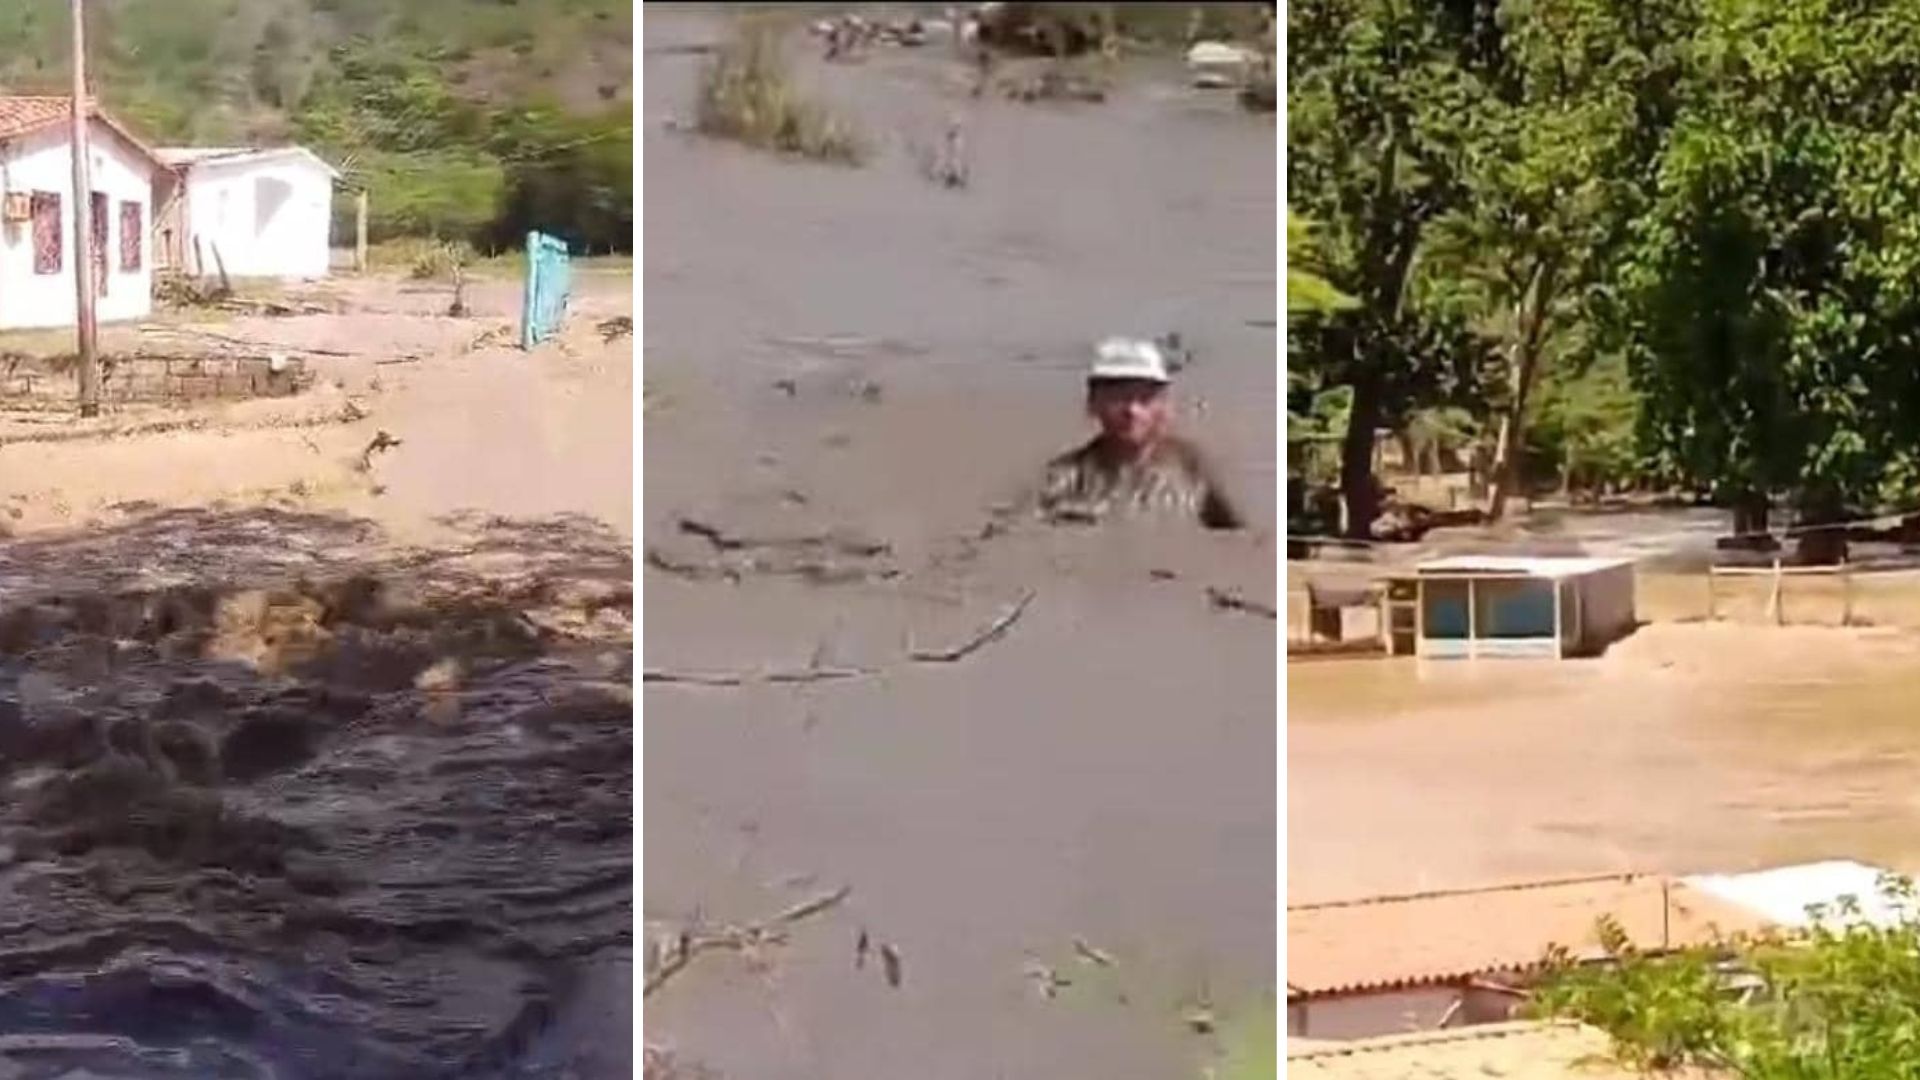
(312, 770)
(279, 801)
(1059, 846)
(1691, 746)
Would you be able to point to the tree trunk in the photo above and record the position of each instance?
(1751, 514)
(1821, 540)
(1357, 486)
(1524, 368)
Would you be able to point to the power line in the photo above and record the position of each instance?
(1785, 532)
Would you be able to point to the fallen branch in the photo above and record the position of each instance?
(748, 938)
(1224, 600)
(747, 678)
(991, 632)
(243, 343)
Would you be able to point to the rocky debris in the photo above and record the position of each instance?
(1055, 84)
(1035, 29)
(835, 556)
(845, 35)
(1218, 65)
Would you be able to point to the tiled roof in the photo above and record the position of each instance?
(188, 156)
(24, 114)
(1516, 1051)
(1439, 937)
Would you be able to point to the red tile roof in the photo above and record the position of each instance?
(1441, 937)
(25, 114)
(1514, 1051)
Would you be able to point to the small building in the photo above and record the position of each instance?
(37, 247)
(254, 213)
(1473, 606)
(1462, 958)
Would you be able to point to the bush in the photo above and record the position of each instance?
(423, 260)
(747, 94)
(570, 177)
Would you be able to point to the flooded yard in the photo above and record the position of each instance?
(1691, 746)
(1064, 838)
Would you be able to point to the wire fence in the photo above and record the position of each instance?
(1738, 580)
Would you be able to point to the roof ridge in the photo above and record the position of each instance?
(1509, 1029)
(1624, 877)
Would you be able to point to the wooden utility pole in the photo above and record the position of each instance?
(83, 223)
(360, 231)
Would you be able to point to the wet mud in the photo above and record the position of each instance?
(370, 818)
(1003, 738)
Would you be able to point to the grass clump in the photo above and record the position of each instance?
(748, 95)
(433, 260)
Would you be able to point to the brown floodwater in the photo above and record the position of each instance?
(845, 371)
(1690, 746)
(277, 800)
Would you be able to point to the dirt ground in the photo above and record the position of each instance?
(846, 371)
(482, 426)
(1691, 746)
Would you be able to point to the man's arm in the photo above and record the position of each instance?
(1218, 510)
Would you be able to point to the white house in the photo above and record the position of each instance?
(36, 215)
(264, 213)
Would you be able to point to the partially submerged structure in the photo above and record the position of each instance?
(1834, 894)
(1472, 606)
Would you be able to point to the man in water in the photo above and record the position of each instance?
(1136, 464)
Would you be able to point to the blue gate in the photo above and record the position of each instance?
(549, 287)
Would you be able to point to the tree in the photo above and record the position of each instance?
(1382, 112)
(1839, 1001)
(1307, 292)
(1770, 298)
(1583, 428)
(1316, 414)
(1574, 108)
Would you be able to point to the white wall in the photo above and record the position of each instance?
(270, 216)
(1607, 610)
(43, 162)
(1372, 1014)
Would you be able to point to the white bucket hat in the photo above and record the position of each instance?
(1129, 358)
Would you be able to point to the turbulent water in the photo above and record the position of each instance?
(360, 822)
(847, 370)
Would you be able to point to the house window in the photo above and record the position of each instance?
(46, 232)
(102, 233)
(132, 230)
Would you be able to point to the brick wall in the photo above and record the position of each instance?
(32, 382)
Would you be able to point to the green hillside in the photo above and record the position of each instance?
(466, 119)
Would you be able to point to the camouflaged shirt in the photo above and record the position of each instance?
(1088, 484)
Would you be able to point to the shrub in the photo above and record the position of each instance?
(748, 95)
